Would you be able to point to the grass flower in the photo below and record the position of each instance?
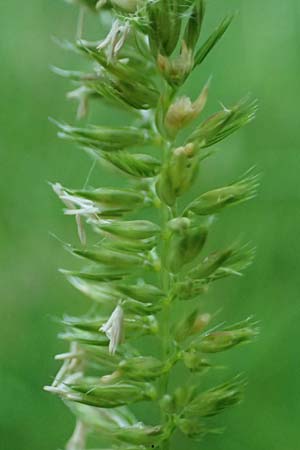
(114, 329)
(150, 253)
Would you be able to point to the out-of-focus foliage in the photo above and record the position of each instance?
(261, 52)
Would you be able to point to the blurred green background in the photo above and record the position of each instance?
(261, 55)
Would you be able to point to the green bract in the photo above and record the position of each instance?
(141, 243)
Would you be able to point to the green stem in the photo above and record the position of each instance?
(166, 282)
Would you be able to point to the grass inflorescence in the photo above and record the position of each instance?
(140, 270)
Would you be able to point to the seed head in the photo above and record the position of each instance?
(147, 54)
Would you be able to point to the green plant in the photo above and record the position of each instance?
(141, 269)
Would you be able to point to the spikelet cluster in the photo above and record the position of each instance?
(140, 269)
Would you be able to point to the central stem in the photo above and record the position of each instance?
(166, 282)
(166, 285)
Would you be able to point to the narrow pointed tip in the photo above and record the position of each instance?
(55, 122)
(56, 40)
(51, 389)
(53, 185)
(57, 70)
(209, 81)
(70, 249)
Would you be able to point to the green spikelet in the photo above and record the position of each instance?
(142, 246)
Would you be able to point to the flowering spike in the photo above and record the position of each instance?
(146, 259)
